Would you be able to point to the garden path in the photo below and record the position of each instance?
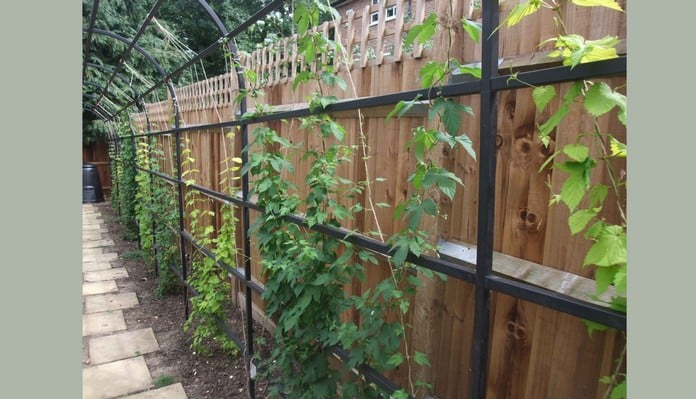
(113, 362)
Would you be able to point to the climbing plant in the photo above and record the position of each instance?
(209, 280)
(584, 198)
(305, 270)
(143, 202)
(127, 184)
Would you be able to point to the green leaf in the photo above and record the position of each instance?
(301, 77)
(403, 306)
(330, 127)
(469, 70)
(619, 391)
(450, 113)
(597, 195)
(600, 99)
(603, 3)
(573, 190)
(402, 107)
(604, 277)
(395, 359)
(432, 72)
(400, 255)
(594, 230)
(422, 141)
(578, 220)
(422, 32)
(609, 249)
(332, 79)
(620, 279)
(578, 152)
(468, 145)
(445, 180)
(520, 11)
(593, 326)
(546, 128)
(542, 95)
(400, 394)
(473, 29)
(420, 359)
(429, 207)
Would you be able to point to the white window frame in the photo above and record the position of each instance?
(386, 13)
(373, 20)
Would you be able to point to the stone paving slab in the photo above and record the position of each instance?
(103, 322)
(91, 227)
(99, 287)
(97, 244)
(115, 379)
(92, 235)
(102, 303)
(174, 391)
(92, 251)
(105, 257)
(122, 345)
(92, 219)
(114, 273)
(93, 266)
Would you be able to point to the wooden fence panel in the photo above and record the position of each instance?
(535, 352)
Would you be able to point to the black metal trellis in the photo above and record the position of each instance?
(481, 274)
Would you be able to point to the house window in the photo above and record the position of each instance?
(374, 2)
(374, 18)
(390, 13)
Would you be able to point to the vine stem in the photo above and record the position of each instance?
(615, 373)
(361, 122)
(610, 171)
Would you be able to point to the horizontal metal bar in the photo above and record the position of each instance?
(181, 278)
(616, 66)
(556, 301)
(466, 272)
(369, 373)
(611, 67)
(220, 322)
(231, 334)
(231, 270)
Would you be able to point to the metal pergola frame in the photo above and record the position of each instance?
(480, 274)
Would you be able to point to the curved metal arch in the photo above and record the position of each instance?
(273, 5)
(98, 112)
(140, 103)
(92, 20)
(109, 93)
(121, 77)
(132, 42)
(102, 106)
(102, 113)
(139, 49)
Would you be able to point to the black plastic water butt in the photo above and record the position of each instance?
(91, 184)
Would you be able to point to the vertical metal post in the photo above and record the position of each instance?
(148, 127)
(180, 195)
(245, 224)
(486, 201)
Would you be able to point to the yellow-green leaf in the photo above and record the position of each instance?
(618, 149)
(521, 10)
(602, 3)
